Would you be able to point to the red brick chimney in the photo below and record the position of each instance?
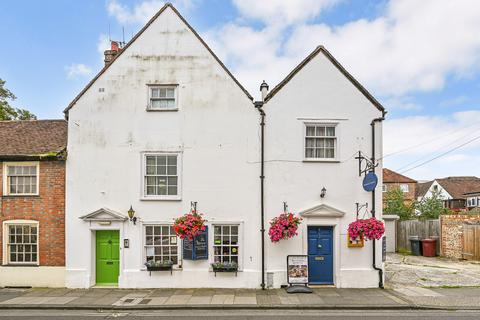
(110, 54)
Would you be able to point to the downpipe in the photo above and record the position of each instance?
(374, 262)
(258, 106)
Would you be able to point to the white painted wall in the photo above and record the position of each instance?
(216, 130)
(320, 93)
(442, 193)
(46, 277)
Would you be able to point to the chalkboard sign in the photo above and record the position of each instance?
(196, 249)
(384, 248)
(187, 249)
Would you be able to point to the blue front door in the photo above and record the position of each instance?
(320, 255)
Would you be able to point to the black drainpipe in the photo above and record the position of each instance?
(259, 105)
(374, 264)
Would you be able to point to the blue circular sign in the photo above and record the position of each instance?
(370, 181)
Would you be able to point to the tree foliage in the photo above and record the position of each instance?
(431, 207)
(395, 204)
(8, 112)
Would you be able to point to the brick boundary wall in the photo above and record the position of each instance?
(48, 208)
(451, 227)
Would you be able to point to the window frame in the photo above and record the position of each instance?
(403, 189)
(6, 242)
(6, 186)
(336, 138)
(144, 243)
(241, 243)
(161, 86)
(143, 191)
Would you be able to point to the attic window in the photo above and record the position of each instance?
(162, 98)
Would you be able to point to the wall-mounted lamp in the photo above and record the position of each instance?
(131, 215)
(323, 192)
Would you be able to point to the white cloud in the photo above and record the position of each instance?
(143, 11)
(412, 46)
(77, 70)
(282, 11)
(416, 139)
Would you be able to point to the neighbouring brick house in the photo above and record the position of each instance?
(452, 190)
(32, 202)
(393, 180)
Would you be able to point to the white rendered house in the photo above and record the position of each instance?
(165, 124)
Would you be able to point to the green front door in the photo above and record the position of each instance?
(107, 260)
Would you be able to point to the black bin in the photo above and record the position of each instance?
(415, 246)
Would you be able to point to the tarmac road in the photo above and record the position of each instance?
(240, 314)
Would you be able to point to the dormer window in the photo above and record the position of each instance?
(162, 98)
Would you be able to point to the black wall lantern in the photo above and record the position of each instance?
(131, 215)
(323, 192)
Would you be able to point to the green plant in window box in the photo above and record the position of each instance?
(225, 266)
(165, 265)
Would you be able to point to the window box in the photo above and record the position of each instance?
(159, 266)
(225, 267)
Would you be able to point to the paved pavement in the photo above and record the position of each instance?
(413, 271)
(103, 298)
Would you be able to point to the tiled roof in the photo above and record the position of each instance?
(422, 188)
(32, 138)
(458, 186)
(390, 176)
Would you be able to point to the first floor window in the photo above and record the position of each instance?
(21, 178)
(161, 243)
(320, 142)
(22, 243)
(404, 187)
(225, 243)
(384, 188)
(163, 98)
(161, 178)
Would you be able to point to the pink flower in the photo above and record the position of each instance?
(370, 228)
(283, 227)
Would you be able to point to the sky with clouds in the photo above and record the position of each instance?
(421, 59)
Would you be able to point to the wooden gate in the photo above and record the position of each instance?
(471, 242)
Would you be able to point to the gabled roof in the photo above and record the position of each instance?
(139, 33)
(328, 55)
(457, 187)
(422, 188)
(104, 214)
(32, 139)
(390, 176)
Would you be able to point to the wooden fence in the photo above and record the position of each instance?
(471, 242)
(422, 229)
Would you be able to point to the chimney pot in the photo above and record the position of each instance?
(264, 89)
(110, 54)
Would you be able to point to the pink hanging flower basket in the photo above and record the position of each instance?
(284, 227)
(189, 225)
(370, 228)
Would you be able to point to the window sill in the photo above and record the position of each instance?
(175, 268)
(161, 110)
(322, 160)
(175, 198)
(20, 265)
(21, 196)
